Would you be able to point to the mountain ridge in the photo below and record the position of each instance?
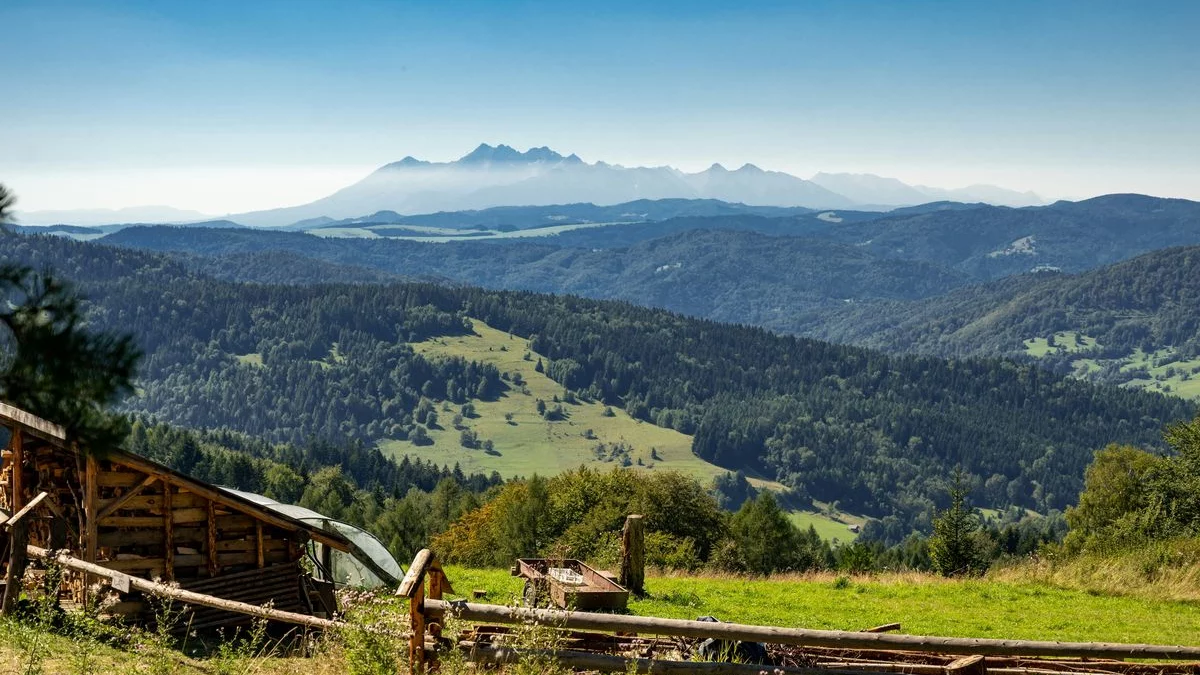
(501, 175)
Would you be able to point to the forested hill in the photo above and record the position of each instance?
(992, 242)
(737, 276)
(1117, 324)
(877, 433)
(783, 273)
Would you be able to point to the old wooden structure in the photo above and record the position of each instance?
(140, 518)
(569, 584)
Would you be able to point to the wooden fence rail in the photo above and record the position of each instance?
(802, 636)
(188, 597)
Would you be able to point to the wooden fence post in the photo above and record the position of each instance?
(17, 558)
(633, 555)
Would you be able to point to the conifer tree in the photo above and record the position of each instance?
(953, 548)
(51, 364)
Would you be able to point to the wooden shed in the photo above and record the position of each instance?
(135, 516)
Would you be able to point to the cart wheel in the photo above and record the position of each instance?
(532, 594)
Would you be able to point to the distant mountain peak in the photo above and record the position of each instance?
(717, 168)
(507, 154)
(749, 168)
(408, 161)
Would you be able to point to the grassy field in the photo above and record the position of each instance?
(1167, 373)
(924, 605)
(251, 359)
(829, 527)
(1077, 600)
(529, 444)
(1064, 342)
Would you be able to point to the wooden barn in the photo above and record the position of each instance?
(131, 515)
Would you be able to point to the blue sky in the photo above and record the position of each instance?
(227, 106)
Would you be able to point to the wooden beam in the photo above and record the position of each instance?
(168, 524)
(258, 539)
(225, 499)
(40, 428)
(802, 636)
(91, 522)
(607, 663)
(633, 555)
(25, 510)
(188, 597)
(18, 465)
(16, 566)
(416, 573)
(416, 621)
(214, 567)
(117, 502)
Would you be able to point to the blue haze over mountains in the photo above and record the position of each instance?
(500, 175)
(492, 176)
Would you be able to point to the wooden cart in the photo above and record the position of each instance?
(569, 584)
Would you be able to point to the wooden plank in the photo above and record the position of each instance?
(25, 510)
(183, 536)
(40, 428)
(120, 479)
(250, 545)
(416, 621)
(178, 516)
(967, 665)
(190, 597)
(17, 501)
(633, 555)
(607, 663)
(179, 560)
(885, 628)
(133, 491)
(168, 524)
(259, 546)
(15, 573)
(226, 499)
(214, 567)
(802, 636)
(91, 491)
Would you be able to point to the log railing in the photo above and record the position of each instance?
(429, 611)
(126, 582)
(802, 636)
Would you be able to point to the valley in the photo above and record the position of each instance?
(809, 338)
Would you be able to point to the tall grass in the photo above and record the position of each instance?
(1162, 570)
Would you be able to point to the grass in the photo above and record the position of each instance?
(529, 444)
(1162, 570)
(1168, 374)
(1065, 342)
(923, 604)
(1081, 599)
(830, 527)
(252, 359)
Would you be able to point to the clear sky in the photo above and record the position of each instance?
(228, 106)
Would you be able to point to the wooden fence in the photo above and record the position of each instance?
(429, 610)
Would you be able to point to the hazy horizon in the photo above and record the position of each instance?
(230, 107)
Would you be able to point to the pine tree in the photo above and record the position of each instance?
(953, 548)
(51, 364)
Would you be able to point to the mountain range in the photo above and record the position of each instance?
(491, 176)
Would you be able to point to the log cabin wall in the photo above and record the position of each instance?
(134, 516)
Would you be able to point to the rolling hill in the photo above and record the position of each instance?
(873, 432)
(1134, 323)
(785, 273)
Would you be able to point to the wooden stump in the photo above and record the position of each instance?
(633, 555)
